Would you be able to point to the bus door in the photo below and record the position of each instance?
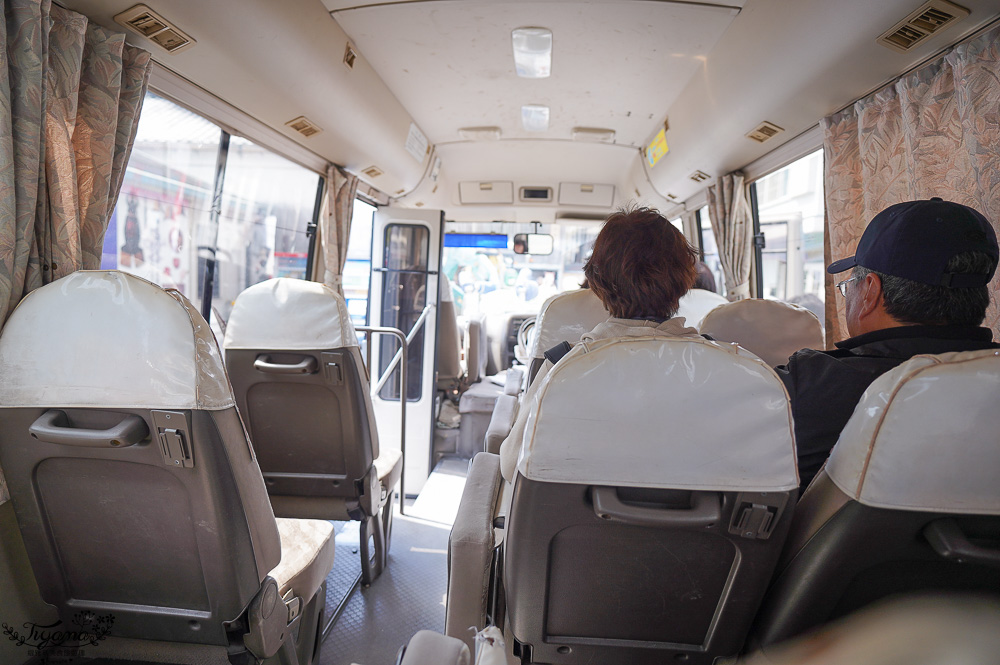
(406, 261)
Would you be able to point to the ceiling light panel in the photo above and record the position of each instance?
(535, 118)
(532, 52)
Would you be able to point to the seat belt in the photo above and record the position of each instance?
(556, 353)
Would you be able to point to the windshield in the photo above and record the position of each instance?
(495, 280)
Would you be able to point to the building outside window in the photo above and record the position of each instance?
(790, 207)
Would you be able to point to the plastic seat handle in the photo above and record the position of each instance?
(304, 366)
(706, 511)
(51, 427)
(950, 542)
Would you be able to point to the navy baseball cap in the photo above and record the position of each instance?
(916, 239)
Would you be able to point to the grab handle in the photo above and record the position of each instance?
(706, 511)
(51, 428)
(947, 539)
(304, 366)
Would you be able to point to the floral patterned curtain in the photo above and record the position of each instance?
(732, 223)
(70, 97)
(338, 210)
(934, 132)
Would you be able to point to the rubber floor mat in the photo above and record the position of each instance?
(407, 597)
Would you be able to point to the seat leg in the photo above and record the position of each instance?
(287, 655)
(387, 523)
(372, 563)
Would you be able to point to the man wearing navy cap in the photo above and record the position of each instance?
(918, 284)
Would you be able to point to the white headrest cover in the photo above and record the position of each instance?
(772, 329)
(289, 314)
(644, 412)
(924, 437)
(566, 317)
(105, 338)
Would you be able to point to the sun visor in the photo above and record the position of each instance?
(105, 338)
(682, 413)
(289, 314)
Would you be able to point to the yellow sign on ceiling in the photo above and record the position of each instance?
(657, 148)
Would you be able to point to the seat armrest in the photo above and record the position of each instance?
(470, 550)
(502, 421)
(430, 648)
(514, 382)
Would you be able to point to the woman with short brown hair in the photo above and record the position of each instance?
(641, 265)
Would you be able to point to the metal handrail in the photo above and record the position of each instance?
(401, 355)
(409, 338)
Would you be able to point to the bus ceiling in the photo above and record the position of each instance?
(419, 97)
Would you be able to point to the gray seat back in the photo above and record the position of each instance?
(449, 341)
(475, 350)
(135, 489)
(772, 329)
(301, 385)
(642, 527)
(908, 501)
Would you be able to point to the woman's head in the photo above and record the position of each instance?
(641, 265)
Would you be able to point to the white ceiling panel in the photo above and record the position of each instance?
(451, 63)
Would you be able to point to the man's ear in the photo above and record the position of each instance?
(871, 294)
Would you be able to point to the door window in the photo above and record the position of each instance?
(404, 295)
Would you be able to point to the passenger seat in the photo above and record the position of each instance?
(641, 528)
(136, 491)
(302, 387)
(772, 329)
(564, 317)
(908, 501)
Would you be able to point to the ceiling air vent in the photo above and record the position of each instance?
(765, 131)
(144, 21)
(536, 194)
(931, 18)
(372, 171)
(597, 134)
(699, 176)
(304, 126)
(480, 133)
(350, 55)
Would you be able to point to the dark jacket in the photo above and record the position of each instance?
(825, 386)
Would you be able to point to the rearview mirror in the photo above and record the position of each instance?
(533, 243)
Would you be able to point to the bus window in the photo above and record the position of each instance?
(267, 203)
(357, 270)
(710, 249)
(404, 295)
(577, 246)
(162, 229)
(790, 205)
(166, 196)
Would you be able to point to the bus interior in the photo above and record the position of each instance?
(373, 219)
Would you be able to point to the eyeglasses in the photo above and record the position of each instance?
(842, 286)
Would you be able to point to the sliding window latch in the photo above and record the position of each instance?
(759, 241)
(173, 434)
